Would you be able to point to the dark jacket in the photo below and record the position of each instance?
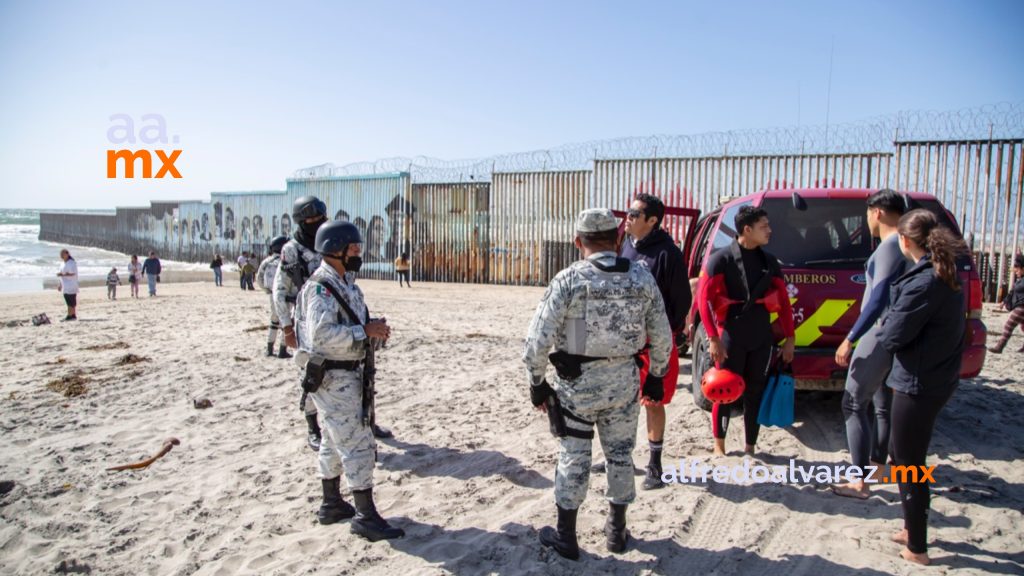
(925, 331)
(151, 266)
(217, 263)
(666, 263)
(1015, 298)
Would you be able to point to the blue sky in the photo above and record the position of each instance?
(256, 90)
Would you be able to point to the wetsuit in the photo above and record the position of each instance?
(870, 363)
(744, 275)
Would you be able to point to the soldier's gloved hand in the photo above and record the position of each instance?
(654, 387)
(539, 393)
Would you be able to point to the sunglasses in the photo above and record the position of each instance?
(634, 214)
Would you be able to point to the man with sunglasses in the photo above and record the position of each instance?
(653, 247)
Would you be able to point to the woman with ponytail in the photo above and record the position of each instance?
(925, 331)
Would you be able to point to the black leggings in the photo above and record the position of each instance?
(752, 365)
(912, 421)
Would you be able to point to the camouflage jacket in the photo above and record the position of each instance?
(624, 311)
(319, 327)
(267, 271)
(289, 271)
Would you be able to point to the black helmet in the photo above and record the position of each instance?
(335, 236)
(277, 243)
(308, 207)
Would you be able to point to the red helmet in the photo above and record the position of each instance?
(722, 386)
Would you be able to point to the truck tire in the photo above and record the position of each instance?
(700, 362)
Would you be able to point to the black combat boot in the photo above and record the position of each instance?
(615, 529)
(379, 432)
(282, 352)
(563, 540)
(270, 348)
(368, 522)
(313, 440)
(334, 508)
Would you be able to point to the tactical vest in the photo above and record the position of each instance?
(605, 318)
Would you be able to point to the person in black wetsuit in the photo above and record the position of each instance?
(741, 339)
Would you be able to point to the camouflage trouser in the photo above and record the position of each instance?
(274, 324)
(605, 394)
(347, 444)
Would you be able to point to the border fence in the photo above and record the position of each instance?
(508, 219)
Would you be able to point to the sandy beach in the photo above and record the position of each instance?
(469, 475)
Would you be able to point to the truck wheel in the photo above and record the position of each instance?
(700, 362)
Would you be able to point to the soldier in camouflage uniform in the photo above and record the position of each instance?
(265, 278)
(326, 330)
(597, 314)
(298, 261)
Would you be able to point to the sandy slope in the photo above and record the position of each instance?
(469, 476)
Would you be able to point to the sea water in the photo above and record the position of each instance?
(25, 261)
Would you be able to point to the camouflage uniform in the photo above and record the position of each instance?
(286, 287)
(347, 444)
(265, 278)
(587, 311)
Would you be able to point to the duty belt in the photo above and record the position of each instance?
(342, 364)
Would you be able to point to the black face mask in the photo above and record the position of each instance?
(353, 263)
(306, 232)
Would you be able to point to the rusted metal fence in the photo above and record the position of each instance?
(982, 183)
(532, 218)
(701, 182)
(448, 225)
(518, 228)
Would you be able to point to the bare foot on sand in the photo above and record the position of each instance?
(719, 449)
(858, 490)
(909, 556)
(901, 537)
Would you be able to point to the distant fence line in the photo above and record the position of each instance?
(515, 226)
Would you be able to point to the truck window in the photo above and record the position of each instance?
(725, 233)
(831, 232)
(700, 245)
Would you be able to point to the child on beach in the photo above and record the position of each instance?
(112, 283)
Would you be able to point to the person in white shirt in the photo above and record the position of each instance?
(243, 259)
(69, 283)
(134, 275)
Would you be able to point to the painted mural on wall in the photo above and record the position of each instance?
(377, 205)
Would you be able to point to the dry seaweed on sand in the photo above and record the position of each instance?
(118, 345)
(70, 385)
(130, 359)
